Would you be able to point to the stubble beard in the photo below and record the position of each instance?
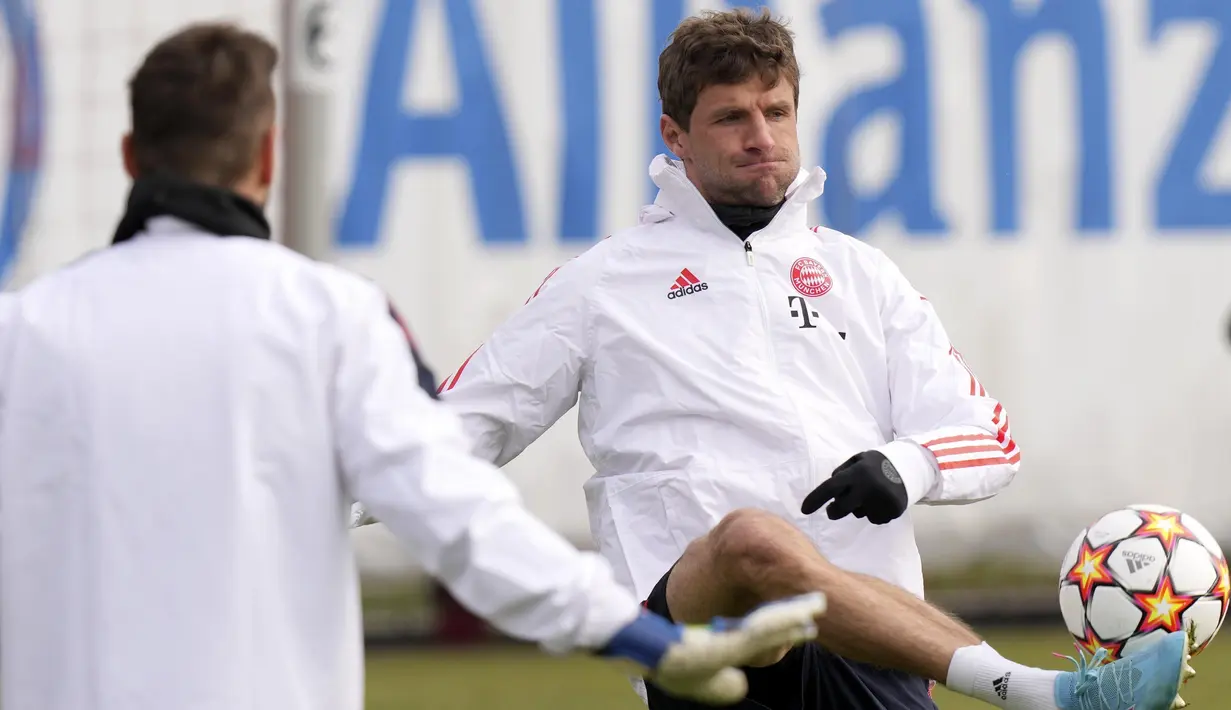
(765, 191)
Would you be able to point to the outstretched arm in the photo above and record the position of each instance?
(528, 373)
(524, 378)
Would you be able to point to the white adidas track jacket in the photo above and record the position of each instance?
(714, 374)
(184, 421)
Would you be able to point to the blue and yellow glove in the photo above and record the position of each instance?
(701, 663)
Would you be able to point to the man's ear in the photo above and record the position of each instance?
(674, 137)
(126, 151)
(269, 146)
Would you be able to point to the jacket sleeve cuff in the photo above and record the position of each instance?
(915, 464)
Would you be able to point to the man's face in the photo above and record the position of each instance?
(741, 146)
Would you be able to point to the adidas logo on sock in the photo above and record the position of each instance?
(1001, 686)
(686, 283)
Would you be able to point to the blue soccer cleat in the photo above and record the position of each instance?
(1148, 680)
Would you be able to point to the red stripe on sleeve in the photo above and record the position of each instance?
(458, 375)
(960, 437)
(542, 284)
(973, 463)
(984, 448)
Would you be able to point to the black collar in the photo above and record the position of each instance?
(213, 209)
(745, 219)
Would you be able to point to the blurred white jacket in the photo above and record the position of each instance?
(715, 374)
(184, 421)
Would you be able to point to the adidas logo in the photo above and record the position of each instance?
(1001, 686)
(1137, 561)
(686, 284)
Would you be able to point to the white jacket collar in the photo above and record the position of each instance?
(679, 197)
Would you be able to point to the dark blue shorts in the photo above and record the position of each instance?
(808, 678)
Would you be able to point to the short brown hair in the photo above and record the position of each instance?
(723, 48)
(201, 101)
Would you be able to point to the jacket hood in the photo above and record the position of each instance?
(677, 196)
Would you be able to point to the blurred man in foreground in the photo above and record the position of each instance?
(738, 371)
(185, 417)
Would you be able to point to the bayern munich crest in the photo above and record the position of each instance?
(810, 278)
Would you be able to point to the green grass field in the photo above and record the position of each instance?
(520, 679)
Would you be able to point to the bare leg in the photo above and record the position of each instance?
(752, 557)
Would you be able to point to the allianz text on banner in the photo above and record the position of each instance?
(1055, 175)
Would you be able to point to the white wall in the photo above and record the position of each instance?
(1108, 344)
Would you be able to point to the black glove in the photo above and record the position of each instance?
(867, 485)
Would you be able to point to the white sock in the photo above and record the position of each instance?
(981, 673)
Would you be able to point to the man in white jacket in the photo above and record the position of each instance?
(738, 371)
(185, 417)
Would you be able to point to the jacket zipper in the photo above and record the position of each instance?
(773, 360)
(765, 324)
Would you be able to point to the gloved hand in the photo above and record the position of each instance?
(867, 486)
(699, 663)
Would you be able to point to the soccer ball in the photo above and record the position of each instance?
(1139, 573)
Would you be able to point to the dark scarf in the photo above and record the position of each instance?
(745, 219)
(213, 209)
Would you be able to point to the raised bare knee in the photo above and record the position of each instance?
(754, 548)
(761, 557)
